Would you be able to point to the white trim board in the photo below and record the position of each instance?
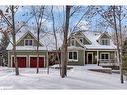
(72, 59)
(105, 53)
(18, 56)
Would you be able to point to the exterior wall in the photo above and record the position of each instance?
(27, 54)
(84, 40)
(76, 44)
(28, 36)
(80, 59)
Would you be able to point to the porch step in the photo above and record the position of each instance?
(102, 70)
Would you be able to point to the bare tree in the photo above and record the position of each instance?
(55, 36)
(10, 20)
(119, 58)
(39, 14)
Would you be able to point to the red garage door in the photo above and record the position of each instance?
(33, 62)
(21, 62)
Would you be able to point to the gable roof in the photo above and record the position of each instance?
(102, 34)
(85, 37)
(19, 39)
(93, 37)
(46, 39)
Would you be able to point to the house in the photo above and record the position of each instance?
(26, 46)
(85, 47)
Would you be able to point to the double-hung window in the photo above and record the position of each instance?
(104, 56)
(28, 42)
(73, 56)
(105, 41)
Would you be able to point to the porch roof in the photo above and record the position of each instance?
(26, 48)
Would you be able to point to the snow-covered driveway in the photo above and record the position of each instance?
(78, 78)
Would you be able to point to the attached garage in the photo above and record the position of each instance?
(33, 62)
(21, 62)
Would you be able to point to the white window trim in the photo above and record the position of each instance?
(72, 59)
(29, 39)
(105, 53)
(108, 41)
(92, 56)
(18, 56)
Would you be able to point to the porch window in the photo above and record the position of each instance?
(73, 56)
(104, 56)
(28, 42)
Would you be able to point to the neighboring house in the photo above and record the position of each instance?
(87, 47)
(26, 46)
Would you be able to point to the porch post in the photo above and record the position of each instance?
(84, 58)
(97, 58)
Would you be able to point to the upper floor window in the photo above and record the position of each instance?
(72, 42)
(28, 42)
(81, 40)
(105, 41)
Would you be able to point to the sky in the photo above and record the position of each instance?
(24, 13)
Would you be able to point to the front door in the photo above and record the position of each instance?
(89, 58)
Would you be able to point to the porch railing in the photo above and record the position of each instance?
(107, 62)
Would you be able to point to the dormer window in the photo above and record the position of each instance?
(72, 42)
(28, 42)
(105, 41)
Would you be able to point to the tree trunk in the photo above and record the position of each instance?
(14, 42)
(121, 45)
(118, 45)
(38, 32)
(65, 53)
(54, 31)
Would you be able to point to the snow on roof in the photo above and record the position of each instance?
(75, 48)
(93, 36)
(26, 48)
(46, 38)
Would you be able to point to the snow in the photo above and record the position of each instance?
(26, 48)
(78, 78)
(46, 38)
(93, 37)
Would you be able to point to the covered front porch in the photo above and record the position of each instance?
(100, 57)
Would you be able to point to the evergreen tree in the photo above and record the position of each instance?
(125, 55)
(3, 45)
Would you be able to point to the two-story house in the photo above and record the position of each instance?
(87, 47)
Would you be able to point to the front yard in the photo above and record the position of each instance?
(78, 78)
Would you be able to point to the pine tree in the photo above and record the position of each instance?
(124, 57)
(3, 45)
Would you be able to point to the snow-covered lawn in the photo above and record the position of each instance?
(78, 78)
